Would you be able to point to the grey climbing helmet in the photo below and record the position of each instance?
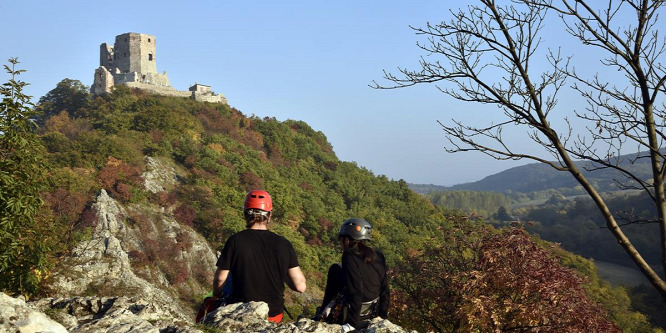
(357, 229)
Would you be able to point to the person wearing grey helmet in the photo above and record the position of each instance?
(358, 289)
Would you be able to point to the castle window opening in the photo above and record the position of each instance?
(148, 40)
(150, 57)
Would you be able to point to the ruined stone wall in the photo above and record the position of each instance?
(160, 90)
(121, 78)
(103, 81)
(106, 56)
(156, 79)
(148, 78)
(209, 98)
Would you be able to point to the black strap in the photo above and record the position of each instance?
(288, 314)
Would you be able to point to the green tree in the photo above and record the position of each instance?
(503, 214)
(22, 179)
(69, 95)
(490, 54)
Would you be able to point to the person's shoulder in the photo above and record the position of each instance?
(239, 235)
(379, 257)
(279, 237)
(350, 253)
(279, 241)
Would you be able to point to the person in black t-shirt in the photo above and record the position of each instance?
(361, 279)
(259, 261)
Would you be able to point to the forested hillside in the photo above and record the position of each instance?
(223, 154)
(437, 256)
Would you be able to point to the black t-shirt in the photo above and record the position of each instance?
(258, 261)
(365, 282)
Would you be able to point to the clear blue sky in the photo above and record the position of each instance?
(303, 60)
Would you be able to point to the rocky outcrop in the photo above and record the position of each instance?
(112, 314)
(131, 314)
(102, 258)
(102, 264)
(160, 175)
(253, 317)
(17, 316)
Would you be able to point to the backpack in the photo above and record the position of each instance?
(337, 310)
(210, 304)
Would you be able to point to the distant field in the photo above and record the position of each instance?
(620, 275)
(528, 203)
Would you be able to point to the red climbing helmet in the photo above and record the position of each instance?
(258, 199)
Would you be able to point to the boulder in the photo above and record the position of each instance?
(253, 317)
(17, 316)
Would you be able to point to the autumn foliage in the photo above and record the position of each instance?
(120, 179)
(494, 282)
(517, 285)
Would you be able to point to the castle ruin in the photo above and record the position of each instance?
(132, 62)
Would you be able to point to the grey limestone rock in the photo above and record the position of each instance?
(159, 176)
(253, 317)
(133, 314)
(103, 261)
(17, 316)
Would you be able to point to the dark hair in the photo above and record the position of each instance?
(253, 216)
(359, 247)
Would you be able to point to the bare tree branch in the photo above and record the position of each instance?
(486, 54)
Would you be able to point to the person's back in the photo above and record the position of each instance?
(260, 261)
(361, 279)
(367, 283)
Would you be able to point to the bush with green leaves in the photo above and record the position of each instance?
(23, 256)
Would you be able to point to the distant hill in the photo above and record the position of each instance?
(540, 177)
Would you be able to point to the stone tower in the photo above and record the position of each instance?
(133, 52)
(130, 61)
